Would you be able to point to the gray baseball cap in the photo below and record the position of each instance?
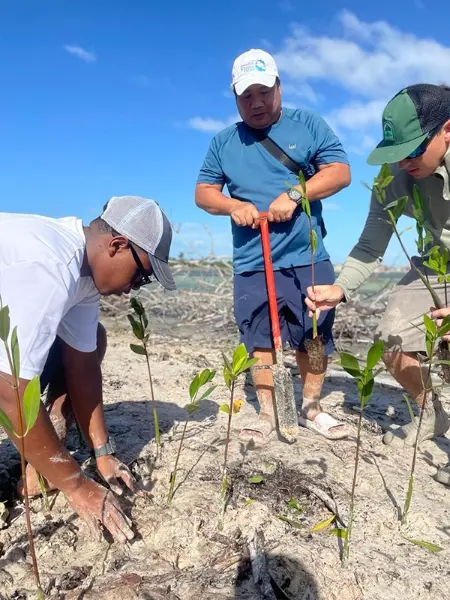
(143, 222)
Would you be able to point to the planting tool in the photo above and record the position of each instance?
(282, 380)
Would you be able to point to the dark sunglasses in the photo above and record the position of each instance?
(145, 279)
(423, 146)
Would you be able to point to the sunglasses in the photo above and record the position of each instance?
(423, 146)
(145, 279)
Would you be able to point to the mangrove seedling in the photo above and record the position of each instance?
(365, 377)
(314, 346)
(139, 324)
(432, 335)
(27, 413)
(199, 381)
(239, 363)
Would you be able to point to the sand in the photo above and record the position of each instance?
(178, 553)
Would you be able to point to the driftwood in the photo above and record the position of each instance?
(203, 303)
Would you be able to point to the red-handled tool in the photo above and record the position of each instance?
(282, 379)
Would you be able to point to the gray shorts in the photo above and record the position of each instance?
(401, 327)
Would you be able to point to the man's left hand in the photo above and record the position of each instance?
(438, 314)
(281, 209)
(111, 469)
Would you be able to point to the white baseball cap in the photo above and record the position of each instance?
(143, 222)
(254, 66)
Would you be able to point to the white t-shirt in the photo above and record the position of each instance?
(40, 282)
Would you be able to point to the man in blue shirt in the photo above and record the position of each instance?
(256, 182)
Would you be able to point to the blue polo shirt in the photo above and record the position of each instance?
(236, 159)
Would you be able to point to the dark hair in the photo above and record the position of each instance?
(103, 227)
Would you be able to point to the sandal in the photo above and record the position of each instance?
(323, 423)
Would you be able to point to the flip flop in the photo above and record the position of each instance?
(323, 423)
(260, 426)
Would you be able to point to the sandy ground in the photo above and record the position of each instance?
(178, 553)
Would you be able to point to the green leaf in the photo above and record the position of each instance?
(137, 306)
(226, 362)
(293, 503)
(239, 357)
(365, 391)
(385, 172)
(306, 207)
(5, 422)
(15, 352)
(206, 376)
(225, 408)
(138, 349)
(313, 240)
(350, 364)
(400, 207)
(302, 182)
(445, 326)
(374, 355)
(192, 407)
(31, 402)
(207, 393)
(430, 326)
(423, 544)
(227, 378)
(322, 524)
(249, 501)
(410, 410)
(194, 387)
(340, 533)
(250, 362)
(137, 327)
(290, 522)
(4, 323)
(256, 479)
(441, 279)
(417, 198)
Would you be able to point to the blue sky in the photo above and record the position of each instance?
(102, 99)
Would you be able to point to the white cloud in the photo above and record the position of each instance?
(356, 115)
(363, 65)
(81, 53)
(210, 125)
(368, 59)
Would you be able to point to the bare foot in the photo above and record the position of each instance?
(34, 489)
(258, 430)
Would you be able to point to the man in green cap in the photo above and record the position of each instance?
(416, 143)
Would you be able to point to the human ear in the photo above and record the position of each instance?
(117, 243)
(446, 130)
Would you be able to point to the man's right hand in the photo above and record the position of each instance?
(324, 297)
(246, 215)
(98, 506)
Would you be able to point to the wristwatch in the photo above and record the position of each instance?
(108, 448)
(295, 195)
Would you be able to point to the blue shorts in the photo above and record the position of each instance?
(251, 308)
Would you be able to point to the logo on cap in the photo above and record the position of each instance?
(260, 65)
(388, 131)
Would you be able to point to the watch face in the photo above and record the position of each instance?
(294, 194)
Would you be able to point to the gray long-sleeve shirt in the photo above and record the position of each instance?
(371, 246)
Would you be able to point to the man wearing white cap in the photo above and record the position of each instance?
(255, 158)
(52, 273)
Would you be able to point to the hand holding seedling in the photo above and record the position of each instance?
(323, 297)
(246, 215)
(112, 470)
(438, 314)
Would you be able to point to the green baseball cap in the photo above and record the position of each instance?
(408, 119)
